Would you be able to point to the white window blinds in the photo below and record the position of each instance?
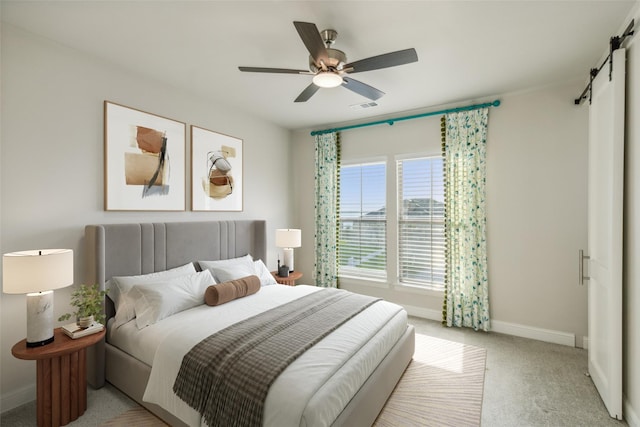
(363, 221)
(421, 241)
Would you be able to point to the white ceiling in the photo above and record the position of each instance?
(467, 50)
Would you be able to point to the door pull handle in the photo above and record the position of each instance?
(581, 258)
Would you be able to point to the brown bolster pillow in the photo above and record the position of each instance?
(228, 291)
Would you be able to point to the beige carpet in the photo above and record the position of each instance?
(442, 386)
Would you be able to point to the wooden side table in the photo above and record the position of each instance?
(61, 376)
(289, 280)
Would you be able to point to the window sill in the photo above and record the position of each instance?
(352, 280)
(383, 284)
(413, 289)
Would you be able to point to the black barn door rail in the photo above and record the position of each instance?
(614, 44)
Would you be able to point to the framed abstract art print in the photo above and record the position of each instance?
(144, 161)
(216, 171)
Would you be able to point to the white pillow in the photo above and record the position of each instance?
(266, 278)
(119, 287)
(240, 270)
(227, 274)
(243, 262)
(156, 301)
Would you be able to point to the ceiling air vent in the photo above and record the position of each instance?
(365, 105)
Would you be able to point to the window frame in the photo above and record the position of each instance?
(355, 273)
(392, 281)
(399, 220)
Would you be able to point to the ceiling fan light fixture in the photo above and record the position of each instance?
(327, 79)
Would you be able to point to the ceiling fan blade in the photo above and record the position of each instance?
(273, 70)
(392, 59)
(311, 38)
(361, 88)
(307, 93)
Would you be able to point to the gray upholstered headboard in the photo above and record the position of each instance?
(132, 249)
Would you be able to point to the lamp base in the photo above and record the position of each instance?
(39, 319)
(39, 343)
(288, 258)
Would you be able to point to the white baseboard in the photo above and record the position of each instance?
(17, 398)
(425, 313)
(547, 335)
(630, 415)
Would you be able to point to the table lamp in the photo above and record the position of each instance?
(37, 273)
(288, 238)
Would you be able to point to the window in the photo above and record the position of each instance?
(421, 241)
(363, 221)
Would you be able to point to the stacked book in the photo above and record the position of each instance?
(74, 331)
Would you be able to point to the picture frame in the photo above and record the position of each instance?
(216, 171)
(144, 161)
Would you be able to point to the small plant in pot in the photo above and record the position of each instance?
(88, 300)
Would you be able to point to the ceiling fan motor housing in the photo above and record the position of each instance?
(337, 59)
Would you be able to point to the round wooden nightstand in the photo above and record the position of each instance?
(61, 370)
(289, 280)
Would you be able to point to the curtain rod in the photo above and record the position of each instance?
(390, 122)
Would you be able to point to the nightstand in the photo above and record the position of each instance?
(289, 280)
(61, 371)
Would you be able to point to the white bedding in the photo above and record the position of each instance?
(313, 390)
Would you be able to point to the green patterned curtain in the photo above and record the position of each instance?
(327, 196)
(466, 301)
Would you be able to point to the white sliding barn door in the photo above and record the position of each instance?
(606, 162)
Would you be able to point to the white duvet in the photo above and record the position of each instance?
(312, 391)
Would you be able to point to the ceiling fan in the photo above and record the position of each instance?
(329, 67)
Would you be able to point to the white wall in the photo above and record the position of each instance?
(52, 166)
(536, 199)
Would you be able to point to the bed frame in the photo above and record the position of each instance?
(133, 249)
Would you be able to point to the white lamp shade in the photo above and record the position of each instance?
(36, 271)
(288, 238)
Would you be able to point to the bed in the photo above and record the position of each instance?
(349, 392)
